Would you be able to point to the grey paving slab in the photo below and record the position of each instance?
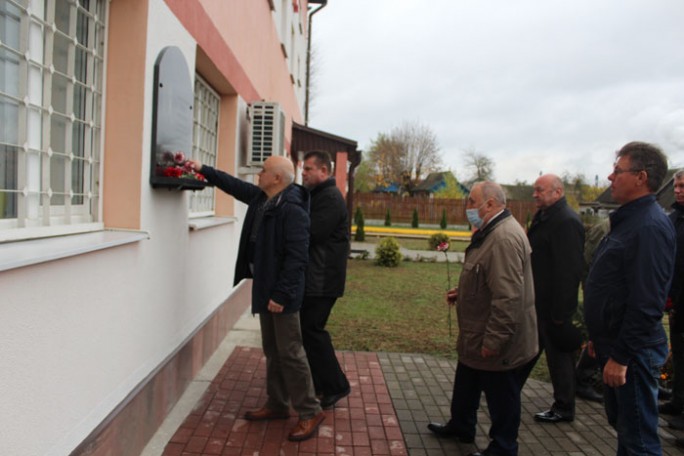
(420, 387)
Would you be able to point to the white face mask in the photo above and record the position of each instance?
(473, 216)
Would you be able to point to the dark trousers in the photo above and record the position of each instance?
(561, 370)
(327, 374)
(502, 391)
(677, 345)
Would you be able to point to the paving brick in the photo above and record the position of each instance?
(394, 396)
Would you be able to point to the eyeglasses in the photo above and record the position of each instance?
(617, 170)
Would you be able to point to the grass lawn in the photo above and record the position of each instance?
(399, 310)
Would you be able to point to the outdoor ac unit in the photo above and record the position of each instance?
(266, 132)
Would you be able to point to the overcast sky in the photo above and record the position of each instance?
(547, 86)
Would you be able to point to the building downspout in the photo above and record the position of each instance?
(323, 4)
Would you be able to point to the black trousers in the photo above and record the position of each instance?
(561, 370)
(502, 392)
(327, 374)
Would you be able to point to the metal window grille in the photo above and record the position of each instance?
(51, 62)
(204, 142)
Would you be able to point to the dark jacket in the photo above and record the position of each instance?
(329, 242)
(677, 287)
(557, 239)
(282, 241)
(629, 279)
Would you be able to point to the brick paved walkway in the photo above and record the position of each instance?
(393, 398)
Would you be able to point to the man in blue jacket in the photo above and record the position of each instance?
(273, 252)
(625, 296)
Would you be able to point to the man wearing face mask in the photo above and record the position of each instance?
(497, 324)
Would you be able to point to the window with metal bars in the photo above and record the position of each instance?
(51, 69)
(204, 142)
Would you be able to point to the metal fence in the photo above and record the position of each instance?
(374, 207)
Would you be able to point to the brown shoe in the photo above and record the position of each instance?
(265, 413)
(305, 429)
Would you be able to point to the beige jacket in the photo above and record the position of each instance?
(495, 305)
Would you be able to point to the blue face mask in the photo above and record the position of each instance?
(474, 218)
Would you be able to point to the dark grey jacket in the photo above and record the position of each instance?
(557, 239)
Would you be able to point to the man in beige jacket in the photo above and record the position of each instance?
(497, 323)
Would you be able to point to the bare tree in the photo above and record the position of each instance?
(405, 154)
(480, 166)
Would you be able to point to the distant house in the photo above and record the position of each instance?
(519, 192)
(435, 182)
(392, 187)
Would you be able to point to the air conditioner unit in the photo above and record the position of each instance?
(266, 132)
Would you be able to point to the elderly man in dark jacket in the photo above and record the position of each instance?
(624, 298)
(557, 239)
(273, 253)
(325, 275)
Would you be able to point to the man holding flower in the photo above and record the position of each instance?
(497, 324)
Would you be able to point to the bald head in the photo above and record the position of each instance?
(548, 189)
(276, 174)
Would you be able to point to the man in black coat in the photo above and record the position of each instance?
(676, 303)
(325, 277)
(557, 239)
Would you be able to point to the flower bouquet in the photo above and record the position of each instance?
(173, 170)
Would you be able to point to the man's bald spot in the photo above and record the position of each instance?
(282, 167)
(551, 181)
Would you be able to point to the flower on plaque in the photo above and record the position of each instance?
(174, 164)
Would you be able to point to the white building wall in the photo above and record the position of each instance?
(79, 334)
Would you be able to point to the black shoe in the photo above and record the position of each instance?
(669, 408)
(550, 416)
(478, 453)
(589, 393)
(664, 394)
(677, 423)
(330, 400)
(443, 430)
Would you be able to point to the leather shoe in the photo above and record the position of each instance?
(444, 430)
(330, 400)
(305, 429)
(550, 416)
(588, 393)
(677, 423)
(265, 413)
(669, 408)
(478, 453)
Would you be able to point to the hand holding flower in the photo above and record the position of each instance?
(452, 296)
(194, 165)
(452, 293)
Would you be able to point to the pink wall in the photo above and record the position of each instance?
(240, 38)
